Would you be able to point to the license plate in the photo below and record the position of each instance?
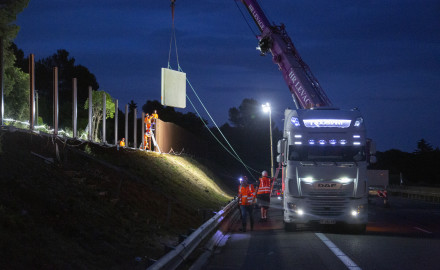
(327, 221)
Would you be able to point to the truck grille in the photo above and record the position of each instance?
(328, 203)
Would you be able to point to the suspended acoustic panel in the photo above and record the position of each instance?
(173, 88)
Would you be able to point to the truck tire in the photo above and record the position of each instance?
(289, 227)
(358, 228)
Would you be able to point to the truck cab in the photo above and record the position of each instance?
(324, 155)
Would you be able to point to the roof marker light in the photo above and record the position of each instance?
(298, 143)
(356, 143)
(358, 121)
(298, 136)
(356, 136)
(295, 121)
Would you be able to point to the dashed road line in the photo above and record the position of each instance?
(341, 255)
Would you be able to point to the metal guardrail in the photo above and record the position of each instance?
(181, 252)
(420, 193)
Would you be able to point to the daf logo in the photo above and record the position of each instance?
(326, 185)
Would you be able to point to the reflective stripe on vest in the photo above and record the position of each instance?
(264, 185)
(247, 194)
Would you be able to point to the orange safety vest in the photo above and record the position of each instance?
(122, 143)
(264, 186)
(246, 194)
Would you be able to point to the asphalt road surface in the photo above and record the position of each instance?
(404, 236)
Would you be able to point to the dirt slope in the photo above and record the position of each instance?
(95, 207)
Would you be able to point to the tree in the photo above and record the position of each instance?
(97, 110)
(423, 147)
(247, 115)
(16, 88)
(67, 70)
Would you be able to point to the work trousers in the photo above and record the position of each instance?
(245, 210)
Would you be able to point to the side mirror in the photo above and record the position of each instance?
(281, 146)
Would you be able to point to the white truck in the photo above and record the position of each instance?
(324, 156)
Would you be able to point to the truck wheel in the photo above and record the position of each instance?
(358, 228)
(289, 227)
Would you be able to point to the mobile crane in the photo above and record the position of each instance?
(324, 151)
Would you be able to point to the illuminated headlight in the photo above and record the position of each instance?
(345, 180)
(300, 212)
(343, 142)
(298, 143)
(307, 180)
(291, 206)
(357, 211)
(358, 122)
(312, 142)
(295, 121)
(298, 136)
(322, 142)
(332, 142)
(356, 143)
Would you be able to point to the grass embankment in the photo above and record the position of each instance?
(95, 207)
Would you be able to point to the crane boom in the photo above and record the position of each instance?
(304, 87)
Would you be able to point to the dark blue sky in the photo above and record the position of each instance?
(380, 56)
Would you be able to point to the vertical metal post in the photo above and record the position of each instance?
(126, 124)
(134, 128)
(90, 113)
(36, 107)
(143, 130)
(104, 116)
(32, 91)
(271, 146)
(116, 122)
(55, 100)
(2, 107)
(74, 108)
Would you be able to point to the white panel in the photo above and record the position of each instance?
(173, 88)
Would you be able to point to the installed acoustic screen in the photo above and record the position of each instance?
(173, 90)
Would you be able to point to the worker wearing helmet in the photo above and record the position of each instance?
(263, 194)
(122, 142)
(246, 196)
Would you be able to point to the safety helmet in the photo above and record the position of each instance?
(264, 173)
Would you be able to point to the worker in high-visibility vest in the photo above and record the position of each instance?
(263, 195)
(246, 197)
(122, 142)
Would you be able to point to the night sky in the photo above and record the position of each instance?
(382, 57)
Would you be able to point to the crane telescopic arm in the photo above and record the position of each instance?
(305, 88)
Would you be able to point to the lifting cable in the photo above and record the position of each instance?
(173, 37)
(234, 154)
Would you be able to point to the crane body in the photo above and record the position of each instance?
(324, 152)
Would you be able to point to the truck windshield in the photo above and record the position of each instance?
(327, 153)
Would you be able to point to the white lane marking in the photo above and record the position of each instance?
(425, 231)
(341, 255)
